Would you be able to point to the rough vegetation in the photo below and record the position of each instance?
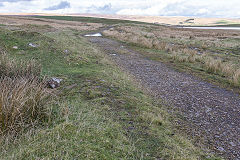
(209, 111)
(12, 68)
(100, 113)
(215, 52)
(24, 99)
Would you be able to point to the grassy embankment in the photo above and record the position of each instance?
(100, 113)
(212, 55)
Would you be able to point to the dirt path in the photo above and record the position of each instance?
(212, 112)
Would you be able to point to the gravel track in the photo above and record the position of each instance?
(211, 112)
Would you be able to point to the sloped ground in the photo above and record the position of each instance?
(211, 113)
(100, 112)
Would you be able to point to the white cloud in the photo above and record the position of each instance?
(202, 8)
(202, 11)
(61, 5)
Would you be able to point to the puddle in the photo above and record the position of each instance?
(93, 35)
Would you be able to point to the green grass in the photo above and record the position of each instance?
(90, 20)
(104, 116)
(222, 22)
(225, 23)
(218, 24)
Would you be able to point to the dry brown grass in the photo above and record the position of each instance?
(24, 98)
(23, 103)
(220, 67)
(12, 68)
(213, 65)
(181, 49)
(236, 77)
(19, 21)
(179, 57)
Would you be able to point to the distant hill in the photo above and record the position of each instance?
(173, 20)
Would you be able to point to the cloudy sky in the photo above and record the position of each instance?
(199, 8)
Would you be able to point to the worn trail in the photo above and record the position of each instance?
(212, 112)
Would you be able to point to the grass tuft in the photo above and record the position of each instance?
(23, 102)
(236, 77)
(12, 68)
(24, 98)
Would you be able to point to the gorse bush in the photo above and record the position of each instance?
(24, 98)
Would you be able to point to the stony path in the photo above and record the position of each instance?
(213, 112)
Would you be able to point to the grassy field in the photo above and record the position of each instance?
(99, 112)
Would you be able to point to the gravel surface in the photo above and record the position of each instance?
(211, 112)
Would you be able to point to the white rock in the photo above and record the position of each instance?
(94, 35)
(57, 80)
(54, 82)
(32, 45)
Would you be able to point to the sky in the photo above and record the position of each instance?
(191, 8)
